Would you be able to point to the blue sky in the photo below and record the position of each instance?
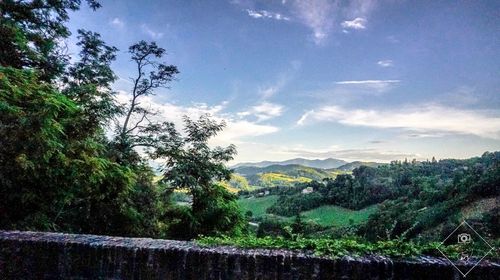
(356, 80)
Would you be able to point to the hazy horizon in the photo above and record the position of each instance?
(368, 80)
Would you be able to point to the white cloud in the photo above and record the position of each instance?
(385, 63)
(359, 8)
(462, 96)
(281, 81)
(423, 120)
(392, 39)
(117, 22)
(270, 91)
(153, 34)
(357, 23)
(352, 154)
(319, 15)
(264, 111)
(266, 14)
(236, 131)
(375, 85)
(367, 82)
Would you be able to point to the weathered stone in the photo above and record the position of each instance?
(37, 255)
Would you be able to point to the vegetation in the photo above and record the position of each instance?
(418, 202)
(330, 215)
(283, 175)
(339, 247)
(257, 205)
(70, 161)
(59, 170)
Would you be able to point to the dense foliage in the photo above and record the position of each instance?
(416, 200)
(339, 247)
(59, 168)
(73, 159)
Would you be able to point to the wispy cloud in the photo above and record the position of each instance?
(424, 120)
(266, 14)
(237, 128)
(322, 17)
(392, 39)
(148, 31)
(378, 86)
(319, 15)
(385, 63)
(352, 154)
(264, 111)
(357, 23)
(268, 91)
(117, 22)
(461, 96)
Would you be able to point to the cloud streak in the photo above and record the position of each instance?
(385, 63)
(237, 128)
(150, 32)
(266, 14)
(353, 154)
(117, 22)
(375, 85)
(264, 111)
(356, 24)
(424, 120)
(318, 15)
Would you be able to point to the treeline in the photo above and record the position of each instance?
(413, 196)
(59, 168)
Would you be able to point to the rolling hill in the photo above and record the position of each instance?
(282, 175)
(328, 163)
(355, 164)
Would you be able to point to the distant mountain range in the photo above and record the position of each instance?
(328, 163)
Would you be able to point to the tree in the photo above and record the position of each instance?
(58, 171)
(50, 181)
(191, 164)
(30, 32)
(88, 81)
(151, 75)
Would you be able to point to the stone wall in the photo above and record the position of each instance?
(36, 255)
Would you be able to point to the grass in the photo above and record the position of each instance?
(257, 205)
(329, 215)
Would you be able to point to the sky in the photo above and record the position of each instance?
(355, 80)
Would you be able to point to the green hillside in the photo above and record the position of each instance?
(330, 215)
(257, 205)
(327, 215)
(283, 175)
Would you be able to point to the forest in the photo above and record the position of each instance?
(59, 168)
(74, 159)
(416, 200)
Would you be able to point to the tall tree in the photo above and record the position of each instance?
(31, 32)
(88, 81)
(137, 128)
(151, 74)
(191, 164)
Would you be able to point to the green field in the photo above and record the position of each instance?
(329, 215)
(257, 205)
